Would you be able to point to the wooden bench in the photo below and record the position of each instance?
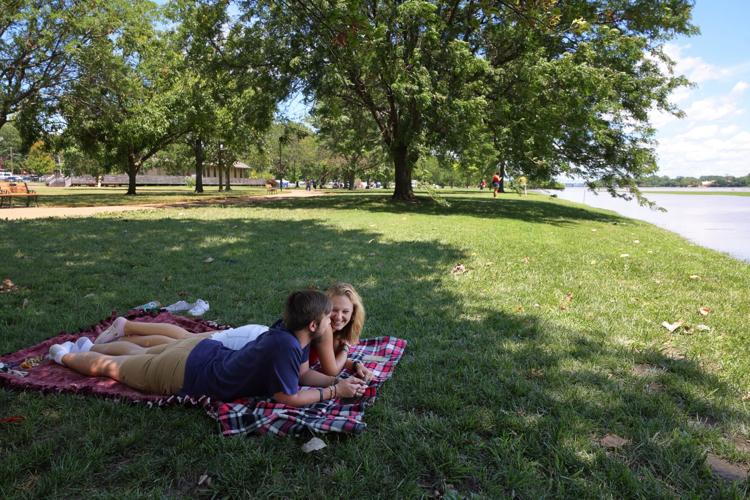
(10, 190)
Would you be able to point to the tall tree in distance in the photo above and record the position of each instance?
(451, 77)
(125, 104)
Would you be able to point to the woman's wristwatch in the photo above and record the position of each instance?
(346, 346)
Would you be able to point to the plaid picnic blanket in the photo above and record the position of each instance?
(247, 415)
(379, 354)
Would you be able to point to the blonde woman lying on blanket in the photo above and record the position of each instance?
(331, 349)
(274, 365)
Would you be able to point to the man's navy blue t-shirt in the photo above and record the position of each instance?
(265, 366)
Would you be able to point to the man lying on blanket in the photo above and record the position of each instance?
(273, 365)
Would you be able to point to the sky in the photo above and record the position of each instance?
(714, 137)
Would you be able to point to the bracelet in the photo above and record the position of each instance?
(334, 391)
(346, 347)
(321, 394)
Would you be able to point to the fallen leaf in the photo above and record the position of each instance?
(208, 260)
(314, 444)
(672, 326)
(593, 262)
(370, 240)
(705, 311)
(519, 309)
(649, 251)
(205, 480)
(89, 296)
(537, 305)
(613, 441)
(725, 470)
(624, 255)
(703, 328)
(525, 260)
(593, 230)
(372, 254)
(694, 277)
(566, 301)
(636, 241)
(458, 269)
(25, 304)
(7, 286)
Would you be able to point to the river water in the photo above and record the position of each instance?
(714, 221)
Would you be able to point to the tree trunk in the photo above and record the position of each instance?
(502, 176)
(199, 157)
(403, 190)
(133, 167)
(220, 171)
(350, 179)
(228, 186)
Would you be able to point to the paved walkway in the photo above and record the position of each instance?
(44, 212)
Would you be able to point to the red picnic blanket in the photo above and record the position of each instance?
(28, 369)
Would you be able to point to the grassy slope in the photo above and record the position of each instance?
(506, 385)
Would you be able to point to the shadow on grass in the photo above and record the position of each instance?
(528, 210)
(496, 404)
(61, 197)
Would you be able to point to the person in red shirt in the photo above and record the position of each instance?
(497, 182)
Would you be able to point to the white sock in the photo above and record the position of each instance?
(57, 351)
(83, 344)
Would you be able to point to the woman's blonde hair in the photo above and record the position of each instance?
(353, 329)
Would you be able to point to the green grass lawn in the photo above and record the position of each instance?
(514, 371)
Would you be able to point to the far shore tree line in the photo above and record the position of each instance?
(702, 181)
(398, 88)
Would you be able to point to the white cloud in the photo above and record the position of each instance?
(695, 68)
(713, 108)
(705, 150)
(740, 87)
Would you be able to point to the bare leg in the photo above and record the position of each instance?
(94, 364)
(133, 328)
(118, 348)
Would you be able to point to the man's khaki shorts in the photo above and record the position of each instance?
(159, 370)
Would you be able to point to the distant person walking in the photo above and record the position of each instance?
(482, 185)
(497, 184)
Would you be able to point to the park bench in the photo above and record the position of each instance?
(10, 190)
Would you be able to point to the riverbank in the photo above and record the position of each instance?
(720, 221)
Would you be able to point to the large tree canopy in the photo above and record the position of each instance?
(549, 86)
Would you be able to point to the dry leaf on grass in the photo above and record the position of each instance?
(205, 480)
(458, 269)
(566, 301)
(705, 311)
(703, 328)
(725, 470)
(519, 309)
(8, 286)
(672, 326)
(525, 260)
(694, 277)
(208, 260)
(25, 304)
(636, 241)
(624, 255)
(314, 444)
(613, 441)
